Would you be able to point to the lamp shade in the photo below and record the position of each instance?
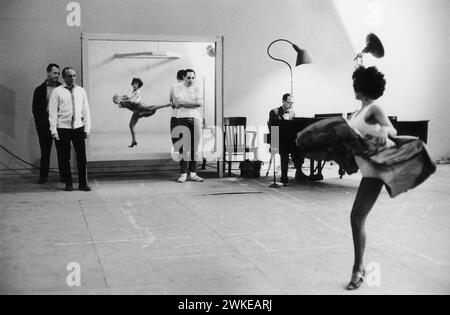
(302, 56)
(374, 46)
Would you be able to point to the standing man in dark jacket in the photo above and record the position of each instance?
(41, 98)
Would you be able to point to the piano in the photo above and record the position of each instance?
(417, 128)
(288, 130)
(287, 133)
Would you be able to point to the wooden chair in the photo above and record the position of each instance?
(235, 141)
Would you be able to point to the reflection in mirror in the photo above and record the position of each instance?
(112, 68)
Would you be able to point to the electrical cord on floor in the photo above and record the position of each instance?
(23, 161)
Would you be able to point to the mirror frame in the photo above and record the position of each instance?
(219, 82)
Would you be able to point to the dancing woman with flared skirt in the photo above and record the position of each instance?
(139, 109)
(370, 122)
(368, 142)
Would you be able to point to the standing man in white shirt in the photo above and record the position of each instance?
(181, 74)
(187, 99)
(70, 121)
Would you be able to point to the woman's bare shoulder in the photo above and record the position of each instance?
(374, 114)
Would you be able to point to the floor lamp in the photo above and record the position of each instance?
(302, 58)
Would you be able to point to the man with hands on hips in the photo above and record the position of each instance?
(70, 121)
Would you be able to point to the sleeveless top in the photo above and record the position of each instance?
(358, 123)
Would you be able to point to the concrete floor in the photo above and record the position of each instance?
(146, 234)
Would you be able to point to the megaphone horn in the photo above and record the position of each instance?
(373, 47)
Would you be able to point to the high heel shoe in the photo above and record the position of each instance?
(357, 280)
(133, 144)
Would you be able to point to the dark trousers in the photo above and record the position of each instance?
(77, 137)
(45, 143)
(297, 159)
(173, 124)
(194, 126)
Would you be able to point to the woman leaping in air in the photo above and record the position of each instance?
(139, 109)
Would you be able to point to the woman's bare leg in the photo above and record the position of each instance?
(133, 121)
(368, 193)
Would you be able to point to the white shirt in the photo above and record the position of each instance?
(64, 114)
(191, 95)
(136, 96)
(172, 99)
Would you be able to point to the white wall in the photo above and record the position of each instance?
(416, 36)
(415, 33)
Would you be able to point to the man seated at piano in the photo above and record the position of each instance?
(286, 112)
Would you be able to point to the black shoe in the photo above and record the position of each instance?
(285, 181)
(133, 144)
(356, 281)
(41, 180)
(69, 187)
(300, 176)
(315, 177)
(84, 188)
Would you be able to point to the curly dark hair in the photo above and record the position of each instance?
(369, 81)
(181, 74)
(138, 81)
